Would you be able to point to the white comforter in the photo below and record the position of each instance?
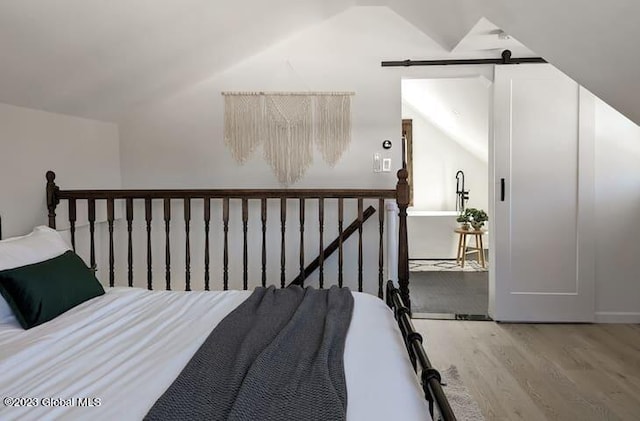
(118, 353)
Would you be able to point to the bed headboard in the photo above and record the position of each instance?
(206, 197)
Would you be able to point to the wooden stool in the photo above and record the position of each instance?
(462, 246)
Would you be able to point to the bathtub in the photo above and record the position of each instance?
(431, 234)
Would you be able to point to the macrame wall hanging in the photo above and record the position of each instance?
(288, 124)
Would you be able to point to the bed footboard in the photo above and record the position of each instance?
(439, 407)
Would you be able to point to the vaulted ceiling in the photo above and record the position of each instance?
(99, 59)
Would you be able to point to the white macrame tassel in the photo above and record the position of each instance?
(333, 126)
(243, 123)
(288, 143)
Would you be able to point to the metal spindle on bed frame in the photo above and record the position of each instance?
(397, 298)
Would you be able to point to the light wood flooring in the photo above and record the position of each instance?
(542, 371)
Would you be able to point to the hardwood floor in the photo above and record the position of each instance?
(542, 371)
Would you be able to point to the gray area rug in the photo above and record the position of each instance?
(464, 406)
(446, 265)
(449, 292)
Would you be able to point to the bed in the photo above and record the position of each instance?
(113, 356)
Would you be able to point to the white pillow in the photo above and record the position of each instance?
(43, 243)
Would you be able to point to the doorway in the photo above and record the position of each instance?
(445, 123)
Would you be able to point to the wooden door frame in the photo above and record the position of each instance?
(407, 134)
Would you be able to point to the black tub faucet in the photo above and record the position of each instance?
(462, 194)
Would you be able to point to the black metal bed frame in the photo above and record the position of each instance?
(430, 378)
(396, 298)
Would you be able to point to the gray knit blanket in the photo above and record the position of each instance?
(278, 356)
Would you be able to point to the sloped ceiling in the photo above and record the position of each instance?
(100, 59)
(592, 41)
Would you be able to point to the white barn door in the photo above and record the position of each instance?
(543, 201)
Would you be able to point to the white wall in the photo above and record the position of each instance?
(436, 159)
(179, 141)
(617, 211)
(83, 153)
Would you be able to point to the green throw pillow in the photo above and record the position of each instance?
(42, 291)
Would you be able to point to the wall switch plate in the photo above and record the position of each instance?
(386, 165)
(377, 162)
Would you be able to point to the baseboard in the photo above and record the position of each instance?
(617, 317)
(452, 316)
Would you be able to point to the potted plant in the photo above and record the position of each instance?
(464, 218)
(478, 218)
